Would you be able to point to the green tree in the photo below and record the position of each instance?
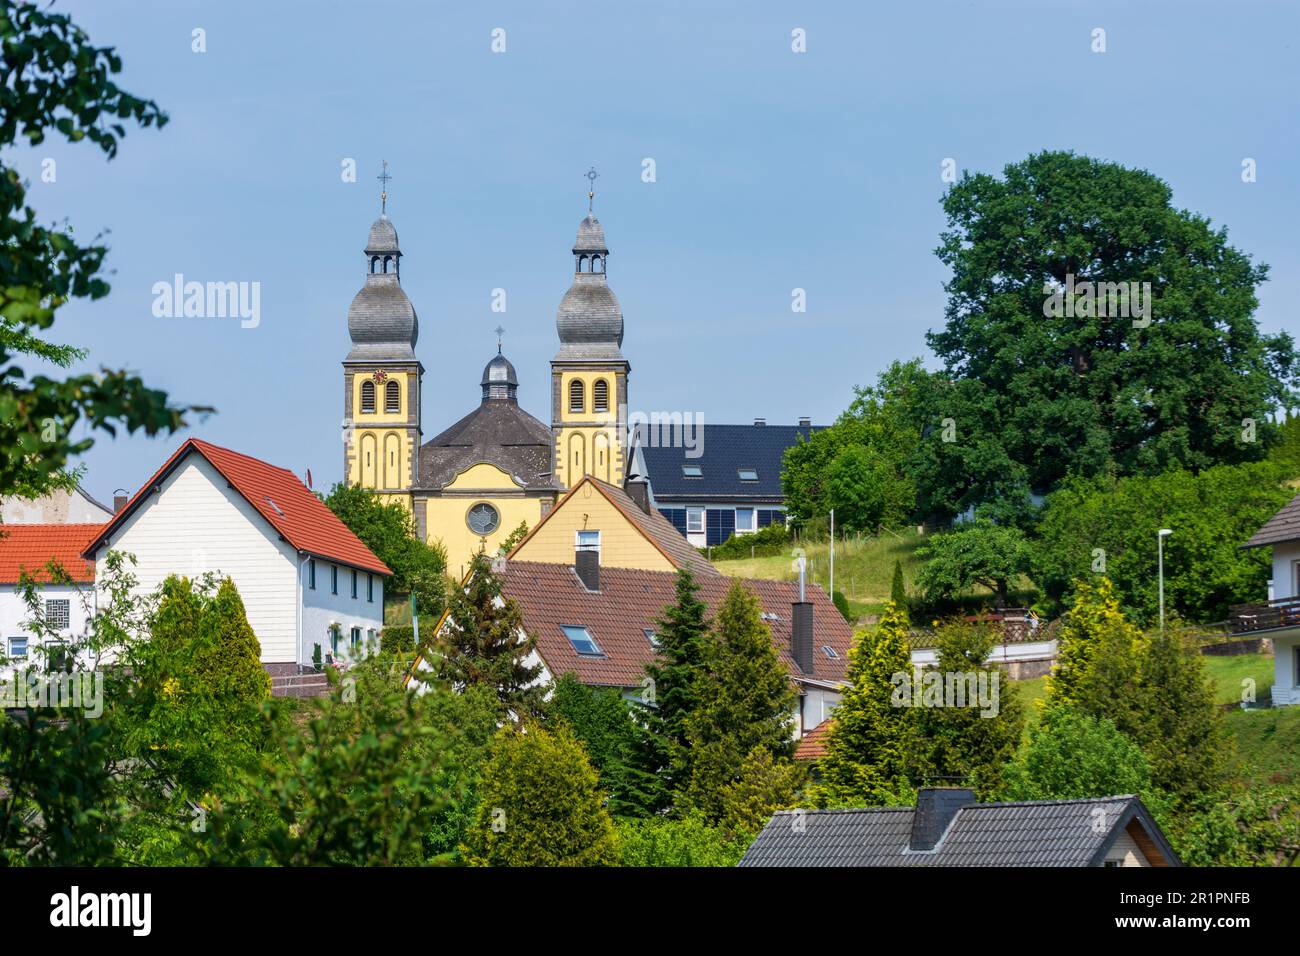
(485, 643)
(1072, 755)
(867, 739)
(541, 804)
(388, 529)
(56, 80)
(513, 538)
(897, 589)
(1094, 621)
(1037, 392)
(977, 730)
(682, 636)
(746, 702)
(982, 553)
(688, 841)
(614, 732)
(764, 784)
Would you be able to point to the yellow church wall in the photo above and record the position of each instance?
(480, 477)
(589, 451)
(589, 380)
(379, 416)
(445, 521)
(381, 459)
(621, 544)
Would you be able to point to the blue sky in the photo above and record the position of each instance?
(775, 171)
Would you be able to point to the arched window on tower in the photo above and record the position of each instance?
(392, 398)
(387, 261)
(577, 396)
(597, 264)
(374, 264)
(600, 396)
(367, 397)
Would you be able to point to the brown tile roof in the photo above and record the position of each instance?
(1283, 526)
(630, 601)
(812, 746)
(657, 529)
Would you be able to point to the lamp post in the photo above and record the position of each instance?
(1160, 559)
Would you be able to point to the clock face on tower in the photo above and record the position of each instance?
(483, 519)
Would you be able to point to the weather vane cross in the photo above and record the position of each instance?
(383, 178)
(592, 176)
(500, 332)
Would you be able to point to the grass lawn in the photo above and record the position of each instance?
(1227, 673)
(1268, 745)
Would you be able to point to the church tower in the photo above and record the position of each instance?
(589, 373)
(381, 375)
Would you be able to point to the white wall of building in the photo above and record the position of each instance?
(15, 619)
(1286, 556)
(815, 705)
(322, 609)
(196, 524)
(58, 507)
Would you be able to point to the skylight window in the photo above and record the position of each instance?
(830, 652)
(747, 474)
(581, 640)
(692, 471)
(650, 636)
(274, 506)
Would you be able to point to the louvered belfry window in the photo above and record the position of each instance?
(392, 398)
(577, 396)
(600, 396)
(367, 398)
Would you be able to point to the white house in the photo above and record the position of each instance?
(305, 579)
(1279, 618)
(60, 506)
(65, 608)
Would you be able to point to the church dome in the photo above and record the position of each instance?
(381, 320)
(590, 320)
(499, 379)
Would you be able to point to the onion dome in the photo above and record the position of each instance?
(499, 380)
(381, 319)
(590, 320)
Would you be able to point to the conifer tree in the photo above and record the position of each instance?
(746, 702)
(897, 589)
(682, 636)
(865, 746)
(484, 643)
(1097, 645)
(540, 804)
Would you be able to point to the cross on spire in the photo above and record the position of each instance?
(383, 178)
(500, 332)
(592, 176)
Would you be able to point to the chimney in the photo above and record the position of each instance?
(119, 502)
(801, 634)
(805, 421)
(935, 809)
(760, 421)
(638, 489)
(586, 561)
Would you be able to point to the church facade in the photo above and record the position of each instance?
(497, 467)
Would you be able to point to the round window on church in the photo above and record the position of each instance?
(483, 519)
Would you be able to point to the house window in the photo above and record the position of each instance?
(692, 471)
(370, 588)
(581, 640)
(311, 573)
(367, 397)
(392, 398)
(650, 636)
(747, 474)
(354, 584)
(600, 396)
(334, 579)
(18, 648)
(56, 613)
(577, 396)
(588, 541)
(335, 632)
(694, 520)
(356, 638)
(744, 520)
(483, 519)
(830, 652)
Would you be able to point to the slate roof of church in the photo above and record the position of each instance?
(498, 432)
(630, 601)
(382, 322)
(277, 494)
(1044, 833)
(589, 321)
(726, 449)
(1283, 526)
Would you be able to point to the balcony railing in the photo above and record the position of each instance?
(1282, 612)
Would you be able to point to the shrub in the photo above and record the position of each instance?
(690, 841)
(763, 543)
(397, 639)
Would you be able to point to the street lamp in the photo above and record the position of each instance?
(1160, 551)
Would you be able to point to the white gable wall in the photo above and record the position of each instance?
(196, 524)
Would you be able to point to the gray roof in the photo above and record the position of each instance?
(1037, 833)
(1283, 526)
(499, 433)
(725, 450)
(381, 319)
(590, 320)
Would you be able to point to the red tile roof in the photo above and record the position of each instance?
(33, 546)
(277, 495)
(812, 746)
(629, 603)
